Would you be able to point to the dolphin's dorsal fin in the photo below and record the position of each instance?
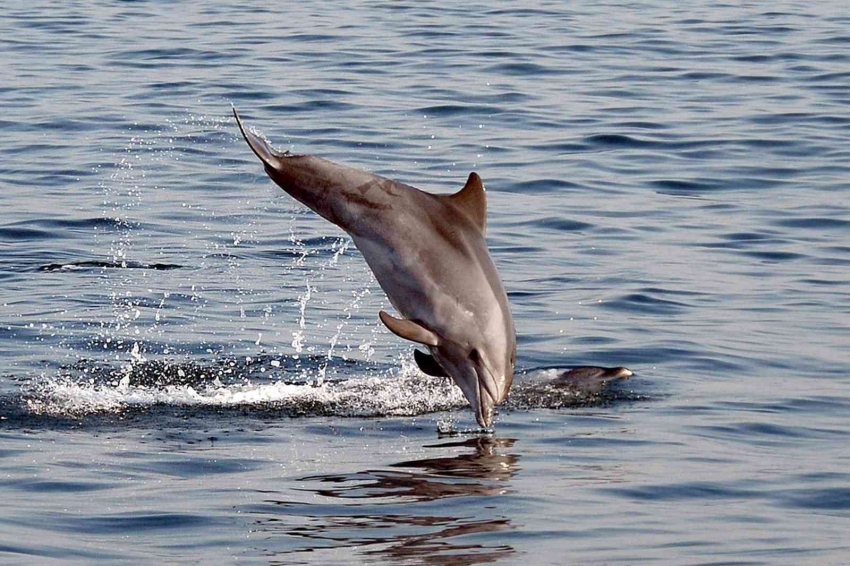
(472, 201)
(428, 364)
(409, 330)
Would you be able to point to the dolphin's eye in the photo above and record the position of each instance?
(474, 357)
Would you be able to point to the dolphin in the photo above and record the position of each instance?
(591, 378)
(429, 255)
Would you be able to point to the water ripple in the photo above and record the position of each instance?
(667, 191)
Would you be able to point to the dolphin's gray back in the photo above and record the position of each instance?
(427, 251)
(439, 261)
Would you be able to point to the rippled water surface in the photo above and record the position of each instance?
(191, 365)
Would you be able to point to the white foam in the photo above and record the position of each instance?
(407, 394)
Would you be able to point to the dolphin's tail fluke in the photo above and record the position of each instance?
(259, 146)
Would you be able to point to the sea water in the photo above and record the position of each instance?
(191, 365)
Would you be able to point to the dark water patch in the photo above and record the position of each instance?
(22, 233)
(520, 69)
(540, 186)
(521, 250)
(618, 141)
(642, 303)
(773, 256)
(703, 75)
(689, 491)
(495, 100)
(824, 282)
(621, 93)
(764, 58)
(367, 68)
(322, 92)
(757, 30)
(639, 125)
(173, 86)
(448, 110)
(593, 340)
(134, 57)
(524, 12)
(496, 54)
(573, 48)
(782, 119)
(194, 467)
(125, 522)
(745, 237)
(681, 186)
(563, 224)
(842, 477)
(433, 33)
(80, 224)
(816, 223)
(58, 487)
(559, 147)
(100, 264)
(243, 93)
(312, 37)
(522, 295)
(754, 79)
(836, 499)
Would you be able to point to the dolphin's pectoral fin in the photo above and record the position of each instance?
(428, 364)
(472, 201)
(409, 330)
(259, 146)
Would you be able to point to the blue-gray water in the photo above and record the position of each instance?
(191, 366)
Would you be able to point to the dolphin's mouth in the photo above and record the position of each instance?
(487, 391)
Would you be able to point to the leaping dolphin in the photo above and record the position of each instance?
(429, 256)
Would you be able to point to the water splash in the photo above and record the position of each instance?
(406, 393)
(298, 335)
(168, 314)
(262, 385)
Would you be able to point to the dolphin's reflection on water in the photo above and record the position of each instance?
(481, 472)
(438, 510)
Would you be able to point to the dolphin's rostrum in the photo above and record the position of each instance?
(429, 255)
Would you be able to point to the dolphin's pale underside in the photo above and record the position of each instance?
(429, 255)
